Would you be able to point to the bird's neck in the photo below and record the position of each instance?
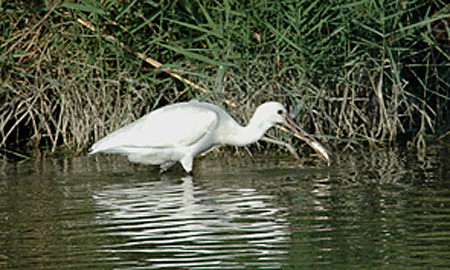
(249, 134)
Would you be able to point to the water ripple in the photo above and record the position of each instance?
(179, 224)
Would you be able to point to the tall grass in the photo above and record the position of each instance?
(354, 72)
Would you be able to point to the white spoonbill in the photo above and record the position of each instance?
(181, 131)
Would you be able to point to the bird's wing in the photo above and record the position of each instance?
(172, 126)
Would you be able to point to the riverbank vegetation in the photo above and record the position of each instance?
(354, 73)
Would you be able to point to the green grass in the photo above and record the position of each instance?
(355, 72)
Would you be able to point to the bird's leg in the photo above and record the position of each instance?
(288, 146)
(187, 163)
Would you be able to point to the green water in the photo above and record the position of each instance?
(383, 210)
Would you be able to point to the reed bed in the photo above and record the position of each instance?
(353, 73)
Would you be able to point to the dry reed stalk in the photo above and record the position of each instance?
(147, 59)
(151, 61)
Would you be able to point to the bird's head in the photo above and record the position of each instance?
(273, 113)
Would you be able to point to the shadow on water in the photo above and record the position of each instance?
(370, 210)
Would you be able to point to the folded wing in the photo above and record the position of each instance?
(172, 126)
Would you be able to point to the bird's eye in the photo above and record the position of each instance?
(280, 112)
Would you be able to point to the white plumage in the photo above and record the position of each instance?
(181, 131)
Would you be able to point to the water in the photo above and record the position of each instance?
(383, 210)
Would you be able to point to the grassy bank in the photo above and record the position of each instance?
(355, 73)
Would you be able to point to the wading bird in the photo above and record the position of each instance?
(181, 131)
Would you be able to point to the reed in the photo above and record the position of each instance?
(355, 73)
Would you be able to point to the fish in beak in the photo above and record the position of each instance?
(320, 149)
